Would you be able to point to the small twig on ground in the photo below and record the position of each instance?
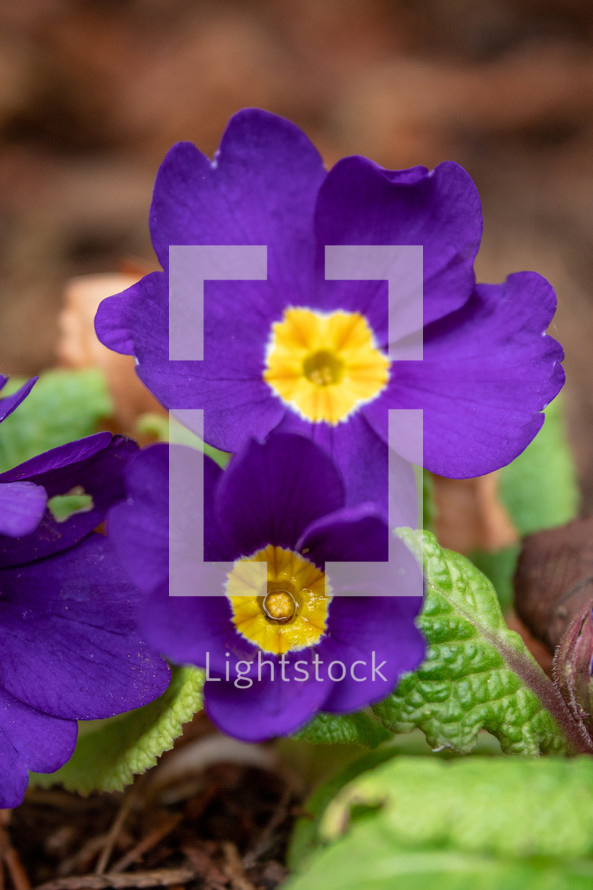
(233, 868)
(11, 858)
(147, 843)
(142, 880)
(265, 839)
(114, 832)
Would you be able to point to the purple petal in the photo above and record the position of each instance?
(271, 492)
(261, 189)
(266, 709)
(351, 534)
(488, 371)
(22, 504)
(114, 320)
(29, 740)
(44, 742)
(68, 639)
(94, 464)
(193, 630)
(228, 384)
(139, 527)
(9, 403)
(380, 633)
(358, 452)
(361, 203)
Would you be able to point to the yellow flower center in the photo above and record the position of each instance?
(290, 613)
(324, 366)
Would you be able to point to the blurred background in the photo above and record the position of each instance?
(93, 93)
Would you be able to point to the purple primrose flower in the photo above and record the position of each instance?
(69, 646)
(277, 654)
(298, 353)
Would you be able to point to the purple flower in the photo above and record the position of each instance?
(70, 650)
(298, 353)
(278, 654)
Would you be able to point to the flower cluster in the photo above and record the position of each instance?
(298, 378)
(70, 647)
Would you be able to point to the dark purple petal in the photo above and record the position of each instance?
(228, 384)
(29, 740)
(114, 319)
(68, 639)
(261, 189)
(358, 452)
(193, 630)
(44, 742)
(266, 709)
(94, 464)
(271, 492)
(139, 526)
(22, 504)
(488, 371)
(380, 633)
(361, 203)
(9, 403)
(351, 534)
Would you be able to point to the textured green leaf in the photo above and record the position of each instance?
(468, 823)
(62, 406)
(111, 752)
(344, 729)
(469, 679)
(539, 489)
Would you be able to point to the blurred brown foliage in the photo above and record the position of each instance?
(93, 92)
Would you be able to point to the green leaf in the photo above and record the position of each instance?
(111, 752)
(306, 836)
(63, 506)
(469, 679)
(62, 406)
(468, 823)
(369, 861)
(344, 729)
(539, 489)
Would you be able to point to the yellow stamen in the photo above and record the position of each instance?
(325, 366)
(290, 613)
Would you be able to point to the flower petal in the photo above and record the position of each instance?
(380, 633)
(488, 371)
(272, 491)
(228, 384)
(22, 504)
(139, 526)
(261, 189)
(351, 534)
(193, 630)
(68, 640)
(266, 709)
(94, 464)
(359, 454)
(9, 403)
(29, 740)
(361, 203)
